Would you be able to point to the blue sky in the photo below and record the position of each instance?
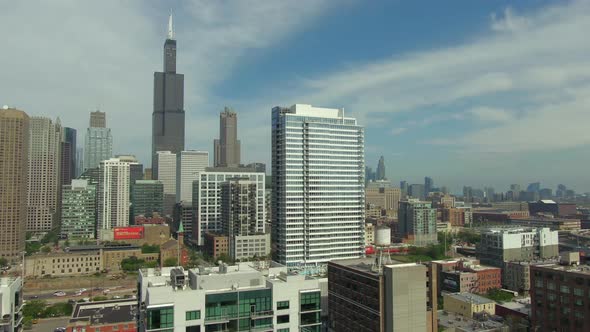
(467, 92)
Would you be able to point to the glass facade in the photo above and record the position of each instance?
(78, 210)
(318, 185)
(160, 318)
(97, 147)
(310, 311)
(246, 310)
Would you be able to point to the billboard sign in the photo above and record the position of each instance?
(128, 233)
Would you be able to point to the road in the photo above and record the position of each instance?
(49, 324)
(70, 294)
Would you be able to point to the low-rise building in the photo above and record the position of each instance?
(468, 304)
(517, 244)
(556, 224)
(104, 316)
(459, 216)
(216, 245)
(249, 246)
(496, 216)
(365, 296)
(369, 233)
(453, 322)
(516, 275)
(467, 275)
(241, 297)
(11, 304)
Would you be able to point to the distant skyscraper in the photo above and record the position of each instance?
(515, 188)
(188, 165)
(417, 191)
(534, 187)
(167, 175)
(168, 115)
(44, 174)
(417, 222)
(381, 169)
(113, 195)
(227, 147)
(68, 156)
(98, 119)
(78, 210)
(135, 168)
(14, 152)
(428, 185)
(257, 167)
(317, 162)
(79, 161)
(98, 145)
(403, 186)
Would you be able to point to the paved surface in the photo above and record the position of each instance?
(49, 325)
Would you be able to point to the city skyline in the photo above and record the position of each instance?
(460, 130)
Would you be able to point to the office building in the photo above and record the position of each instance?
(98, 146)
(516, 275)
(242, 221)
(559, 298)
(517, 244)
(44, 185)
(385, 198)
(113, 195)
(317, 185)
(417, 191)
(11, 304)
(216, 245)
(167, 175)
(417, 222)
(227, 147)
(245, 297)
(467, 304)
(188, 166)
(98, 119)
(369, 175)
(147, 198)
(394, 297)
(428, 185)
(14, 149)
(207, 199)
(547, 206)
(457, 216)
(135, 168)
(79, 161)
(183, 214)
(109, 315)
(78, 210)
(68, 156)
(381, 169)
(168, 115)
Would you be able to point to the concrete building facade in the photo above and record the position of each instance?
(467, 304)
(147, 198)
(517, 244)
(396, 297)
(14, 149)
(11, 304)
(207, 199)
(317, 185)
(44, 181)
(241, 297)
(78, 210)
(417, 222)
(386, 198)
(188, 166)
(113, 195)
(166, 173)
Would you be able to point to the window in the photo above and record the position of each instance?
(310, 301)
(160, 318)
(282, 319)
(283, 330)
(282, 305)
(192, 315)
(578, 292)
(564, 289)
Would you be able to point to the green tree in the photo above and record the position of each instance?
(3, 261)
(46, 249)
(34, 308)
(31, 248)
(499, 295)
(67, 243)
(171, 261)
(150, 249)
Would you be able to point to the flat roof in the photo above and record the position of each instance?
(105, 312)
(471, 298)
(453, 320)
(581, 269)
(366, 264)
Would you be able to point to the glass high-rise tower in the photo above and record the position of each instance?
(318, 184)
(168, 115)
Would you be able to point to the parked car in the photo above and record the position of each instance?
(59, 293)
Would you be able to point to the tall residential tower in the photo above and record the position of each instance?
(318, 166)
(168, 115)
(98, 145)
(14, 149)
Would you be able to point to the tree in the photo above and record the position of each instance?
(149, 249)
(170, 261)
(3, 261)
(34, 308)
(46, 249)
(67, 243)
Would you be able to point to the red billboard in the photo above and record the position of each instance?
(128, 233)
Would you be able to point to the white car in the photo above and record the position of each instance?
(82, 290)
(59, 293)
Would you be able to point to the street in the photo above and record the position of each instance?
(49, 324)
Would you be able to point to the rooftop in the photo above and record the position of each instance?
(521, 305)
(471, 298)
(579, 269)
(366, 264)
(104, 312)
(452, 320)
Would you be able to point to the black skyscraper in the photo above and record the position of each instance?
(168, 116)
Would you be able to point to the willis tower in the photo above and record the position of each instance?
(168, 116)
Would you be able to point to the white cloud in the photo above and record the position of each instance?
(398, 131)
(66, 58)
(490, 114)
(520, 65)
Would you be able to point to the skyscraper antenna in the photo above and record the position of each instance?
(170, 26)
